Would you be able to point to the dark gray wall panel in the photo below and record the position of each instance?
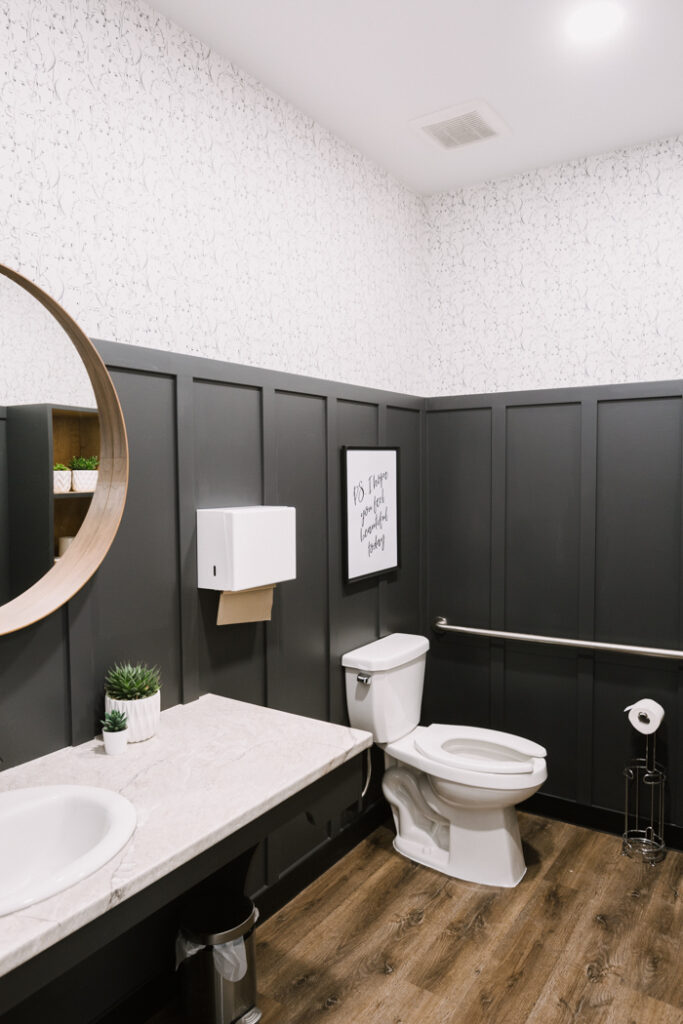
(291, 843)
(400, 591)
(620, 682)
(228, 471)
(298, 653)
(638, 551)
(354, 606)
(4, 520)
(459, 503)
(228, 444)
(34, 691)
(457, 687)
(540, 703)
(543, 497)
(134, 598)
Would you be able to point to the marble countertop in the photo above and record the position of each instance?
(214, 766)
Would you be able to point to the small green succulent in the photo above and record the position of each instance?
(132, 682)
(60, 466)
(114, 721)
(84, 462)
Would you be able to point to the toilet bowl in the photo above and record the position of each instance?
(452, 789)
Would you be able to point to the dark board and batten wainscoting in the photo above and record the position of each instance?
(560, 513)
(553, 512)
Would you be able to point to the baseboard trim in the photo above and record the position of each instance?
(600, 818)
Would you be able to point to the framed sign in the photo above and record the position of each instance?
(370, 496)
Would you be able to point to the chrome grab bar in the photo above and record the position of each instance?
(441, 625)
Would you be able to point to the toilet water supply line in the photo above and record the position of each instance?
(368, 770)
(366, 680)
(441, 625)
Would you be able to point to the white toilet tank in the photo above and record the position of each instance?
(388, 704)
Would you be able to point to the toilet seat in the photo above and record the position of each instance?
(423, 748)
(478, 750)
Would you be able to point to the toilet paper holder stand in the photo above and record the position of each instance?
(644, 779)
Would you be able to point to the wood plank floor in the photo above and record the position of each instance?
(588, 937)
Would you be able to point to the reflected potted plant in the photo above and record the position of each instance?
(62, 478)
(84, 472)
(115, 732)
(134, 691)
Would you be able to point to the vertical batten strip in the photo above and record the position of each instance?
(269, 496)
(334, 520)
(187, 527)
(498, 539)
(585, 682)
(328, 566)
(676, 810)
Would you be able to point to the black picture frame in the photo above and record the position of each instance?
(363, 514)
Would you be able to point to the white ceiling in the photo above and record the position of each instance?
(365, 68)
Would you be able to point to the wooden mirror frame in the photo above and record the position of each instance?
(95, 536)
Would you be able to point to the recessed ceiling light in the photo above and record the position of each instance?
(595, 21)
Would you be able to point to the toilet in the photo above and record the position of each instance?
(452, 789)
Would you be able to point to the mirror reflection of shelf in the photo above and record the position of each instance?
(74, 432)
(38, 437)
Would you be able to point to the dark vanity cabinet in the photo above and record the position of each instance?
(38, 436)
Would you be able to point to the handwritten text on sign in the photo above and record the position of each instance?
(371, 506)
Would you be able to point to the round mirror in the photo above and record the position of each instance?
(58, 408)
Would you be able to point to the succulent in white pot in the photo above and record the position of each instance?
(61, 476)
(84, 472)
(134, 690)
(115, 732)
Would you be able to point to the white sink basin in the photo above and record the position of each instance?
(52, 836)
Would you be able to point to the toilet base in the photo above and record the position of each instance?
(486, 860)
(472, 844)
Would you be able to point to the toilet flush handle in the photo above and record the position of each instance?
(364, 679)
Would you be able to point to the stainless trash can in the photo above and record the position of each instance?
(208, 997)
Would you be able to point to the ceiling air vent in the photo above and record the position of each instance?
(462, 125)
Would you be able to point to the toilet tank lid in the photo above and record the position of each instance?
(387, 652)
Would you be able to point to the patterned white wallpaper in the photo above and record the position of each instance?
(569, 275)
(168, 200)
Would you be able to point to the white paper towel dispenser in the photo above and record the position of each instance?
(244, 548)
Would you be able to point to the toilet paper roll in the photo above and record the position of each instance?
(645, 715)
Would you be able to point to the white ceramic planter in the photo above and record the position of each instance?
(84, 479)
(142, 715)
(62, 481)
(115, 742)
